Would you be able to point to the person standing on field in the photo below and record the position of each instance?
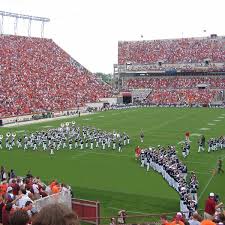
(142, 136)
(219, 166)
(187, 136)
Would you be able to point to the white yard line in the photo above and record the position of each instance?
(195, 134)
(20, 131)
(201, 173)
(204, 128)
(206, 186)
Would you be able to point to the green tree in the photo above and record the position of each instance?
(106, 77)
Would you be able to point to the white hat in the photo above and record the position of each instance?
(211, 194)
(9, 189)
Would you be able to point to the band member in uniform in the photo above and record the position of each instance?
(142, 136)
(114, 144)
(120, 146)
(200, 145)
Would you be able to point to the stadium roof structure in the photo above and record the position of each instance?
(17, 16)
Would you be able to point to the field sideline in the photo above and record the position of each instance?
(116, 179)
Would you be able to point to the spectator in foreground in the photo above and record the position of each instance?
(23, 198)
(7, 212)
(178, 219)
(2, 204)
(20, 217)
(164, 220)
(210, 207)
(56, 214)
(122, 216)
(195, 219)
(112, 221)
(28, 207)
(207, 222)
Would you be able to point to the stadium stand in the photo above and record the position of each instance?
(178, 89)
(174, 71)
(36, 75)
(182, 96)
(185, 50)
(176, 82)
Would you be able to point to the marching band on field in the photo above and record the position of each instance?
(67, 136)
(165, 161)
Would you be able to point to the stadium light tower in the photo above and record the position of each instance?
(43, 20)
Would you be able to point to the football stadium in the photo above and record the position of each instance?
(148, 147)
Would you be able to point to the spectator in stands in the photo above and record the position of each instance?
(28, 207)
(195, 219)
(11, 174)
(164, 220)
(219, 217)
(9, 195)
(43, 192)
(23, 198)
(7, 212)
(207, 222)
(3, 174)
(56, 188)
(2, 204)
(19, 217)
(178, 219)
(3, 187)
(55, 214)
(112, 221)
(15, 186)
(35, 188)
(122, 216)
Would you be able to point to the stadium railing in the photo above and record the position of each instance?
(151, 218)
(87, 211)
(63, 197)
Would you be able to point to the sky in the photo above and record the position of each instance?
(89, 30)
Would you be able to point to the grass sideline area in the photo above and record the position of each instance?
(116, 179)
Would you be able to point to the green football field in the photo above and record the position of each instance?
(116, 179)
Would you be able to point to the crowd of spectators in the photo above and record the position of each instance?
(36, 75)
(173, 90)
(176, 82)
(218, 218)
(185, 50)
(182, 96)
(17, 193)
(170, 68)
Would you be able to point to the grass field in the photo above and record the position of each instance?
(116, 179)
